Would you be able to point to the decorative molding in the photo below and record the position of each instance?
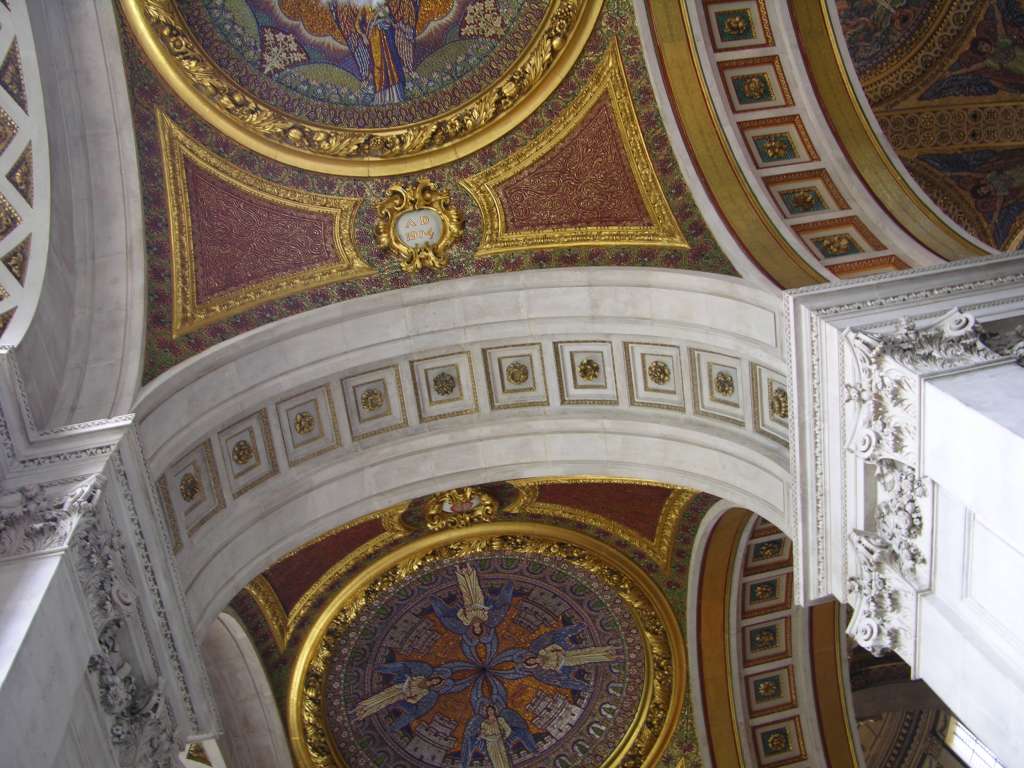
(141, 729)
(418, 224)
(893, 558)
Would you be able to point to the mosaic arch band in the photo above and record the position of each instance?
(496, 646)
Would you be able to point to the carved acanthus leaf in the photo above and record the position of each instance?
(29, 523)
(875, 594)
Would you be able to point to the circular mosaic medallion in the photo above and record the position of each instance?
(505, 652)
(353, 80)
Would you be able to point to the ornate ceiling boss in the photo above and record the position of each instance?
(522, 644)
(364, 89)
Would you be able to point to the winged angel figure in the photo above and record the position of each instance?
(418, 687)
(380, 35)
(551, 658)
(493, 728)
(478, 615)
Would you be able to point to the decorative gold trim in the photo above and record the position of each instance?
(336, 443)
(164, 37)
(608, 80)
(849, 269)
(541, 381)
(393, 530)
(270, 607)
(659, 549)
(188, 315)
(714, 628)
(437, 518)
(664, 649)
(853, 130)
(400, 200)
(831, 677)
(845, 221)
(724, 180)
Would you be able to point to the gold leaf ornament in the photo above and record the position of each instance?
(418, 224)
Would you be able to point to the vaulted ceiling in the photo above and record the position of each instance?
(270, 130)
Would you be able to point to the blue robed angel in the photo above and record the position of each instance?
(416, 690)
(493, 729)
(475, 620)
(551, 657)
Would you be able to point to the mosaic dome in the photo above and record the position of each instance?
(363, 86)
(362, 64)
(505, 651)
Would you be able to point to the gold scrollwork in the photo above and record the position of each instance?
(424, 196)
(662, 700)
(460, 508)
(162, 32)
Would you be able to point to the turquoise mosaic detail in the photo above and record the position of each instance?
(834, 246)
(802, 200)
(767, 550)
(767, 688)
(753, 89)
(764, 590)
(775, 147)
(734, 25)
(775, 742)
(764, 639)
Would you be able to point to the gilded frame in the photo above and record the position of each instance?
(424, 195)
(164, 37)
(608, 80)
(665, 653)
(187, 313)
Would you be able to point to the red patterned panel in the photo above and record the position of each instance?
(292, 576)
(634, 506)
(239, 239)
(586, 181)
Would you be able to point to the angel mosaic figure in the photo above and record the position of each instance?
(418, 688)
(550, 658)
(493, 729)
(476, 619)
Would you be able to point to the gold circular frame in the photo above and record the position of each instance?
(161, 31)
(664, 649)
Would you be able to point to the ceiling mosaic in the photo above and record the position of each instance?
(946, 82)
(529, 623)
(240, 233)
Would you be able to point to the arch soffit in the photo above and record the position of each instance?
(614, 307)
(83, 349)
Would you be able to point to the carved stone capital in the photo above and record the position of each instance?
(30, 523)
